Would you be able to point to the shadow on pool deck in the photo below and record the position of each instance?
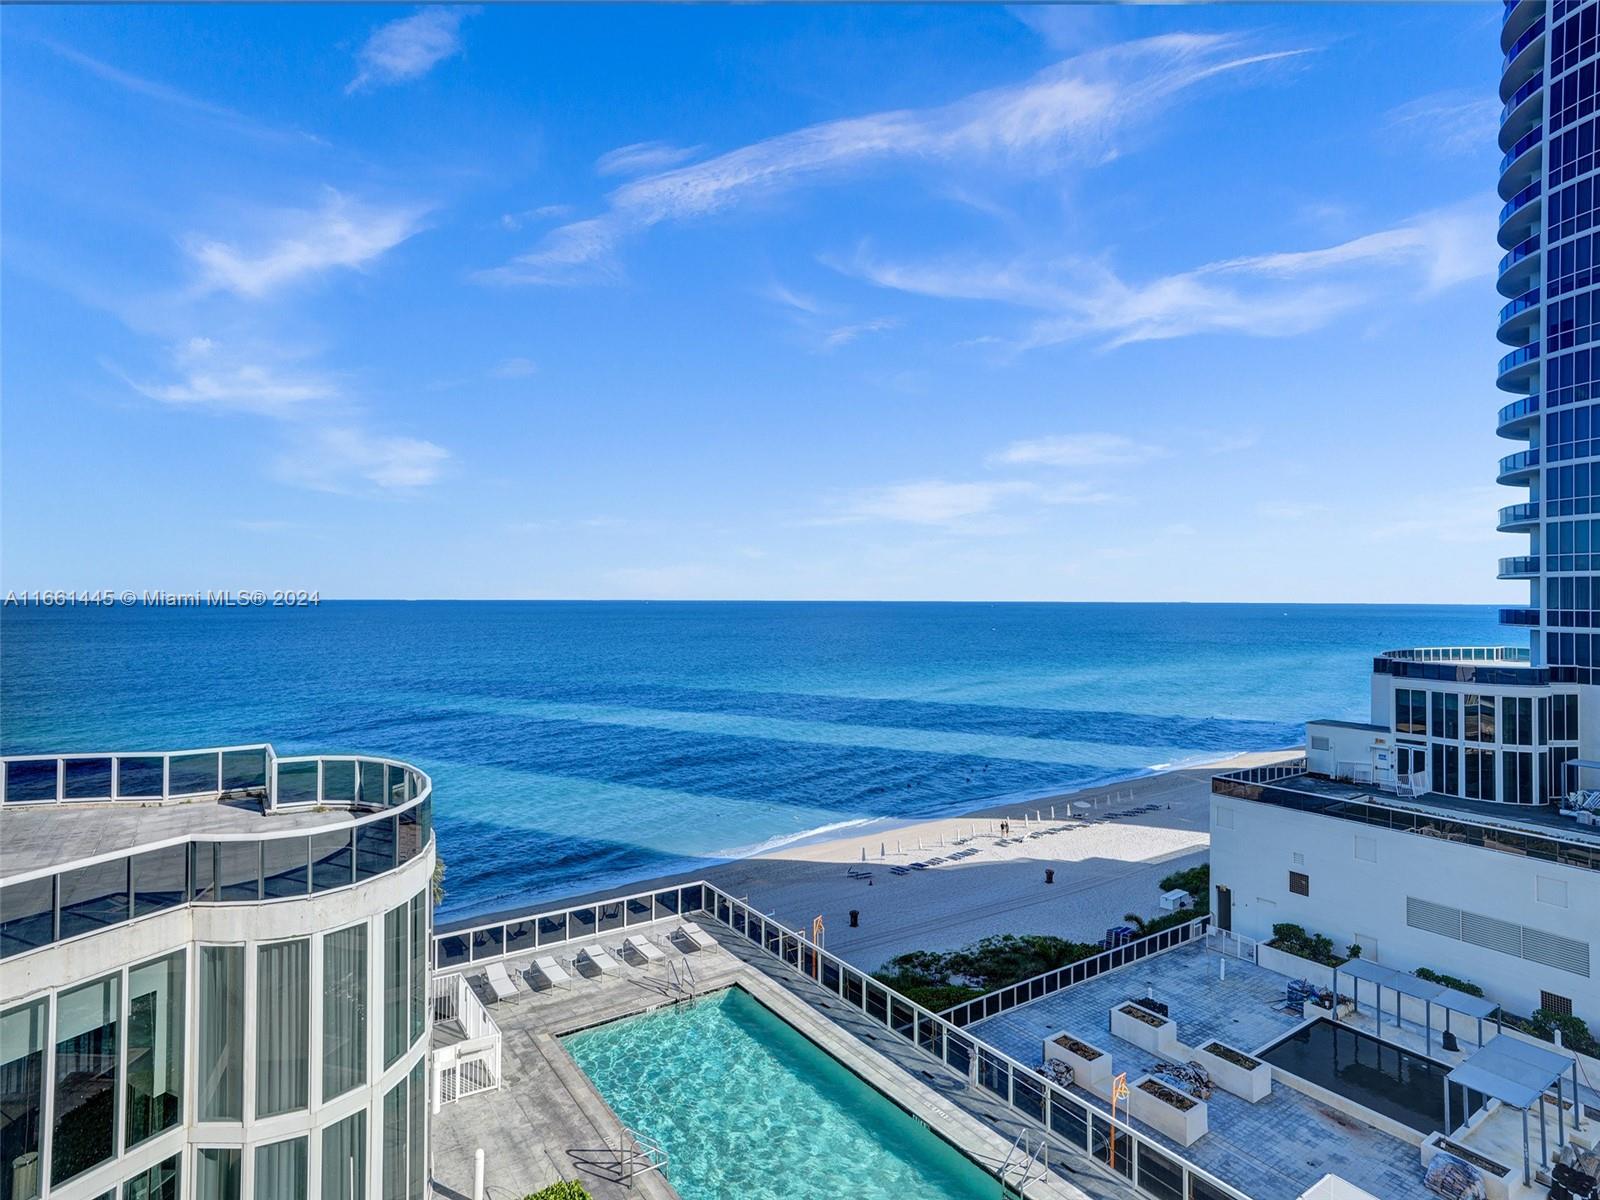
(1273, 1150)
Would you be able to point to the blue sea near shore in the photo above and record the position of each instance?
(575, 745)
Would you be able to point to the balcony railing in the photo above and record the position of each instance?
(1513, 107)
(1517, 411)
(1460, 654)
(1520, 201)
(1529, 35)
(1520, 463)
(1519, 616)
(1517, 359)
(1521, 566)
(1523, 144)
(1514, 515)
(1528, 299)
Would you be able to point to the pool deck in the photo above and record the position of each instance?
(546, 1122)
(1272, 1150)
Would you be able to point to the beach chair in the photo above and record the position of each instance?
(499, 982)
(597, 958)
(550, 971)
(899, 870)
(697, 938)
(643, 948)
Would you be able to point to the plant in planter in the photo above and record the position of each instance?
(1318, 947)
(566, 1189)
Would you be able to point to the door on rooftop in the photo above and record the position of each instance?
(1224, 908)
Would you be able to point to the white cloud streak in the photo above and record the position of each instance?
(349, 459)
(408, 48)
(643, 157)
(949, 504)
(342, 232)
(1448, 123)
(1077, 450)
(209, 378)
(1070, 112)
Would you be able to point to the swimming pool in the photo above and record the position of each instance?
(748, 1108)
(1376, 1074)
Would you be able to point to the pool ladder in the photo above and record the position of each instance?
(682, 984)
(638, 1155)
(1027, 1163)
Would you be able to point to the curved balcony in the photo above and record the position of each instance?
(1462, 664)
(1521, 164)
(1520, 467)
(1519, 518)
(1523, 59)
(1519, 268)
(1520, 566)
(1519, 320)
(1519, 418)
(1522, 112)
(1519, 14)
(1519, 219)
(1519, 616)
(1519, 369)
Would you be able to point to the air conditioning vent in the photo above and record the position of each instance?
(1491, 933)
(1435, 918)
(1506, 937)
(1553, 950)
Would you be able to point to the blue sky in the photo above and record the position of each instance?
(1165, 303)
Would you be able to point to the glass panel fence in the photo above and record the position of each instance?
(141, 778)
(86, 779)
(338, 781)
(35, 782)
(193, 774)
(297, 783)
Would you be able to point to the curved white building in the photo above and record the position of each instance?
(214, 976)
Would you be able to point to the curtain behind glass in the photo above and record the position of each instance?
(344, 1011)
(221, 1049)
(396, 965)
(155, 1048)
(217, 1172)
(394, 1143)
(344, 1159)
(283, 1027)
(281, 1170)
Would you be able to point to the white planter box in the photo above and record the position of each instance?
(1092, 1074)
(1250, 1083)
(1185, 1126)
(1293, 966)
(1157, 1034)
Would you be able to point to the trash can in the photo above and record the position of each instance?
(1049, 875)
(855, 918)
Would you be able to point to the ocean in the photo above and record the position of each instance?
(578, 745)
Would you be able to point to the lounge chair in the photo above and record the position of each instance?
(643, 948)
(499, 982)
(550, 971)
(697, 938)
(597, 958)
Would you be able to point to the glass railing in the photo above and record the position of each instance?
(1520, 357)
(1457, 654)
(1519, 616)
(1519, 514)
(1520, 201)
(1526, 248)
(1528, 299)
(1525, 143)
(1522, 460)
(1529, 35)
(1519, 566)
(1531, 88)
(1518, 410)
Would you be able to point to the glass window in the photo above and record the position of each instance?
(396, 983)
(395, 1118)
(344, 1159)
(218, 1173)
(94, 897)
(203, 871)
(283, 1027)
(160, 1182)
(22, 1034)
(332, 860)
(239, 870)
(85, 1132)
(155, 1048)
(344, 1011)
(281, 1170)
(417, 1174)
(221, 1049)
(27, 916)
(160, 879)
(284, 867)
(419, 965)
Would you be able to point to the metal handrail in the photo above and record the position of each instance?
(645, 1149)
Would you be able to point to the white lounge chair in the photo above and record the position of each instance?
(695, 936)
(599, 960)
(643, 948)
(499, 982)
(550, 971)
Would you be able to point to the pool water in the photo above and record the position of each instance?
(748, 1108)
(1377, 1074)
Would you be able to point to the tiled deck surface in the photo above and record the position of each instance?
(1273, 1150)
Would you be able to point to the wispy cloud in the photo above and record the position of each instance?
(208, 377)
(409, 48)
(350, 459)
(1446, 122)
(642, 157)
(1266, 295)
(843, 335)
(515, 368)
(1077, 450)
(950, 503)
(341, 232)
(1070, 112)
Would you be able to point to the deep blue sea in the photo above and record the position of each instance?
(574, 745)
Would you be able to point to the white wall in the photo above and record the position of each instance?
(1360, 877)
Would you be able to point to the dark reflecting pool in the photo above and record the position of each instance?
(1397, 1083)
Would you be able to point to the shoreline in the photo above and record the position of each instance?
(1100, 867)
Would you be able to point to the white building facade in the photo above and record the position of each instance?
(214, 977)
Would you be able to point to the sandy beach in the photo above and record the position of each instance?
(1103, 868)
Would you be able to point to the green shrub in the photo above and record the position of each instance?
(566, 1189)
(980, 967)
(1575, 1035)
(1449, 981)
(1318, 947)
(1194, 880)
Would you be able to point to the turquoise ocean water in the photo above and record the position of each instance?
(574, 745)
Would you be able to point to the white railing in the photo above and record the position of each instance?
(146, 775)
(1454, 654)
(1029, 1096)
(1234, 945)
(471, 1065)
